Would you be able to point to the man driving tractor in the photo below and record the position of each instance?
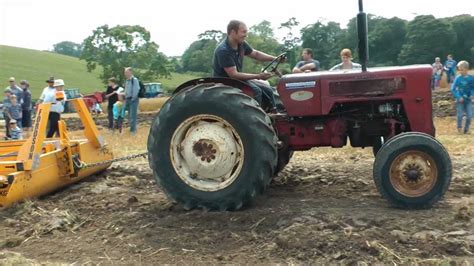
(229, 57)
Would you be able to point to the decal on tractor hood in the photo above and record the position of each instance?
(300, 85)
(301, 96)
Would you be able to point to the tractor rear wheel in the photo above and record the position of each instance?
(212, 147)
(412, 170)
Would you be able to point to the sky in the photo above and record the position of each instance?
(175, 24)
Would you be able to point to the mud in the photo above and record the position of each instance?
(319, 209)
(322, 208)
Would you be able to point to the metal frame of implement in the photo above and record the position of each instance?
(37, 166)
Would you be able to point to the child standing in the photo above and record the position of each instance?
(15, 131)
(15, 111)
(463, 89)
(119, 112)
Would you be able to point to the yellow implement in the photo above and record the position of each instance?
(37, 166)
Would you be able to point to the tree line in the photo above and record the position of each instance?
(392, 41)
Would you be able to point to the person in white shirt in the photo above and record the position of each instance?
(56, 96)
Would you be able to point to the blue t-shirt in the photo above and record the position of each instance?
(302, 63)
(463, 87)
(450, 64)
(225, 56)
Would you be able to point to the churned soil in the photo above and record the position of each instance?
(322, 208)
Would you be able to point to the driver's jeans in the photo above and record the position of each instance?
(262, 91)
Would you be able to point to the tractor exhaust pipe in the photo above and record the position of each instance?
(362, 33)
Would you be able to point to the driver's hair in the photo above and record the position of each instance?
(233, 26)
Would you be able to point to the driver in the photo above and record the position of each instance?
(229, 57)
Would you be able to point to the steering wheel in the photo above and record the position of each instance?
(273, 65)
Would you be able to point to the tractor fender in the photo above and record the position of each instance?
(238, 84)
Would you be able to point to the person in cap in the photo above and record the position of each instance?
(15, 130)
(6, 104)
(26, 107)
(46, 90)
(57, 106)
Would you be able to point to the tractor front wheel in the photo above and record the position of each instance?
(412, 170)
(212, 147)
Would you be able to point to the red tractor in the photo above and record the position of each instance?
(213, 147)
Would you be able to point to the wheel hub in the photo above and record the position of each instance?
(207, 152)
(413, 173)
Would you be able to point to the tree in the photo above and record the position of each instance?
(324, 40)
(463, 25)
(124, 46)
(386, 38)
(198, 57)
(290, 40)
(68, 48)
(261, 37)
(427, 37)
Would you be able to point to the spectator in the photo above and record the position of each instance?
(346, 61)
(132, 88)
(17, 91)
(463, 90)
(15, 111)
(6, 105)
(308, 64)
(450, 68)
(14, 88)
(112, 96)
(437, 72)
(15, 130)
(118, 112)
(57, 98)
(46, 90)
(26, 107)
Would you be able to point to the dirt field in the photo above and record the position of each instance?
(322, 208)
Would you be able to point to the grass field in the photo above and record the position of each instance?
(36, 66)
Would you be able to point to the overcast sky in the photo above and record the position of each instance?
(174, 24)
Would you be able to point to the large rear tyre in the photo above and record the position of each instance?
(212, 147)
(412, 170)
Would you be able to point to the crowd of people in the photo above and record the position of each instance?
(18, 107)
(461, 86)
(448, 68)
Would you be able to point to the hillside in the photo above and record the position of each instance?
(36, 66)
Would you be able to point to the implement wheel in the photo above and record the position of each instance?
(212, 147)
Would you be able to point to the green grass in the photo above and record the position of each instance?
(36, 66)
(177, 79)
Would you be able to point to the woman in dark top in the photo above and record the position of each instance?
(112, 95)
(26, 107)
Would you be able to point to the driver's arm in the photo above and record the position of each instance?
(233, 73)
(308, 66)
(261, 56)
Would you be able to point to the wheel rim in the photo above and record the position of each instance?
(206, 152)
(413, 173)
